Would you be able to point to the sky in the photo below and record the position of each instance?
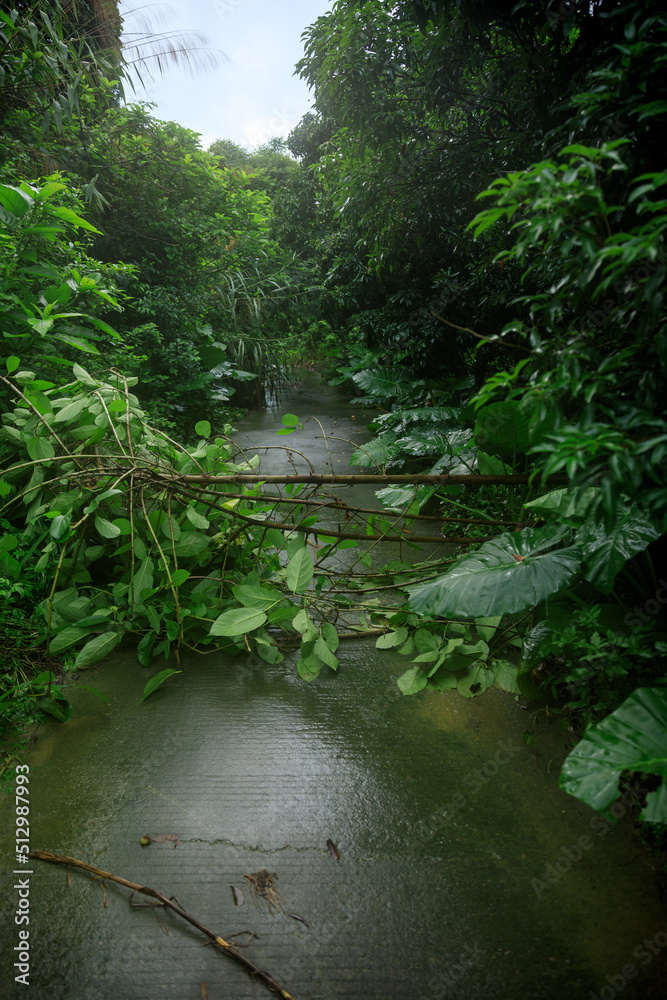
(252, 95)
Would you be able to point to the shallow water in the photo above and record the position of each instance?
(454, 839)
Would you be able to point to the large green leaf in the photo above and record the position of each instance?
(570, 505)
(67, 637)
(398, 496)
(607, 549)
(39, 448)
(299, 570)
(260, 598)
(106, 528)
(510, 426)
(191, 544)
(144, 577)
(387, 383)
(412, 681)
(97, 649)
(514, 571)
(633, 738)
(476, 681)
(237, 622)
(503, 428)
(374, 453)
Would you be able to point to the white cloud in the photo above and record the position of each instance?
(253, 94)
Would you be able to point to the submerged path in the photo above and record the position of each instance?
(463, 872)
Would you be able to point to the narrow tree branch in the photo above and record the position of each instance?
(254, 970)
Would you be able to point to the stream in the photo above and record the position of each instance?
(464, 872)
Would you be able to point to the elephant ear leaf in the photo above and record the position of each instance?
(633, 738)
(606, 549)
(514, 571)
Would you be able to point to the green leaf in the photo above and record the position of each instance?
(487, 628)
(41, 402)
(607, 549)
(308, 665)
(566, 505)
(203, 429)
(374, 453)
(503, 428)
(56, 706)
(196, 519)
(180, 576)
(459, 655)
(191, 544)
(325, 654)
(386, 383)
(300, 571)
(13, 198)
(40, 448)
(155, 682)
(510, 573)
(97, 649)
(489, 465)
(290, 420)
(412, 681)
(82, 375)
(237, 622)
(71, 410)
(390, 639)
(67, 637)
(106, 528)
(330, 636)
(260, 598)
(59, 527)
(154, 619)
(78, 342)
(633, 738)
(144, 578)
(476, 681)
(506, 675)
(68, 215)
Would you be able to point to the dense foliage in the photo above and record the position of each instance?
(472, 233)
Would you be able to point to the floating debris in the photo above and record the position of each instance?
(262, 885)
(295, 916)
(167, 838)
(333, 850)
(239, 898)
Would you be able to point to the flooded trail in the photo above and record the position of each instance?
(463, 871)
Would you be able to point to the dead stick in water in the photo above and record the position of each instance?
(61, 859)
